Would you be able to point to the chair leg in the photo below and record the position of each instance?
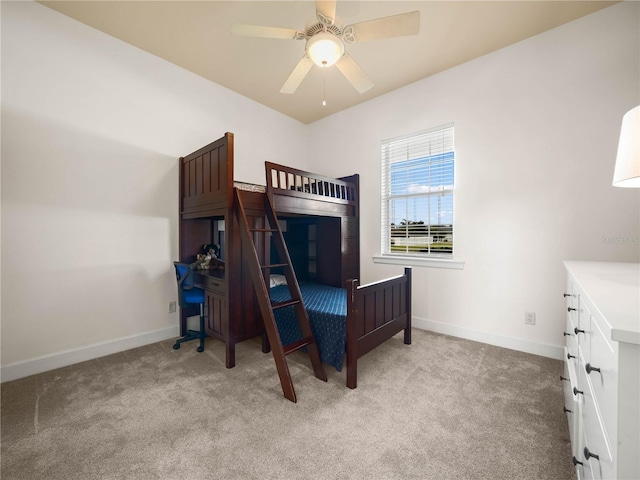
(202, 334)
(190, 335)
(194, 334)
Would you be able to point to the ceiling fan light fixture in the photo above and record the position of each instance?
(324, 49)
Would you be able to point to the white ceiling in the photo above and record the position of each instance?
(196, 35)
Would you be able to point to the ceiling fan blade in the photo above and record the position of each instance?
(299, 72)
(264, 32)
(352, 71)
(387, 27)
(326, 8)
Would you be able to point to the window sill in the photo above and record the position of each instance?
(420, 262)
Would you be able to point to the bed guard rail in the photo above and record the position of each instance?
(283, 180)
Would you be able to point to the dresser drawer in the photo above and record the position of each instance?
(604, 382)
(595, 439)
(583, 330)
(571, 365)
(570, 374)
(570, 338)
(571, 405)
(572, 300)
(585, 471)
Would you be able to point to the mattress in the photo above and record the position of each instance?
(250, 187)
(327, 309)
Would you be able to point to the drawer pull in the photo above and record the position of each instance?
(562, 379)
(567, 295)
(576, 461)
(566, 410)
(588, 454)
(577, 330)
(590, 369)
(576, 391)
(565, 334)
(569, 356)
(571, 309)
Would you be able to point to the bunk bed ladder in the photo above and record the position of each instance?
(262, 292)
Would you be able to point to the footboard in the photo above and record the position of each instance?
(375, 313)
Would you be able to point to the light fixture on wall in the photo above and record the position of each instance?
(325, 49)
(627, 170)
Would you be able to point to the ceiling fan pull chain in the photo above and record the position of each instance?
(324, 92)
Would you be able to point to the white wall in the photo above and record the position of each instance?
(92, 129)
(536, 131)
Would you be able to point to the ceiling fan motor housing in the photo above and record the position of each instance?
(316, 27)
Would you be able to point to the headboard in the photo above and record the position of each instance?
(206, 178)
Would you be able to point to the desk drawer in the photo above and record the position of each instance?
(215, 284)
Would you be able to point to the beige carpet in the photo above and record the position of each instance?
(441, 408)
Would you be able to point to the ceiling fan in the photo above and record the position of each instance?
(325, 39)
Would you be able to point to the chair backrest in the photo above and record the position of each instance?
(184, 277)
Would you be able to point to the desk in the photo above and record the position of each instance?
(232, 314)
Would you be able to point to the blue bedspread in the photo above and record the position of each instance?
(327, 308)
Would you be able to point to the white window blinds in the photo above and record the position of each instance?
(417, 193)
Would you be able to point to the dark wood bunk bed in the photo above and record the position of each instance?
(320, 219)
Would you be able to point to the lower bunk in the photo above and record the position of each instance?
(351, 321)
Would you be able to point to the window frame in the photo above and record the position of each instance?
(439, 143)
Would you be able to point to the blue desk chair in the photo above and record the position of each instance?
(188, 296)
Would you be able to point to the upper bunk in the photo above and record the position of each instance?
(299, 192)
(207, 183)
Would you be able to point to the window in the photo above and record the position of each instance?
(417, 194)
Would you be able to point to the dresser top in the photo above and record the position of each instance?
(614, 290)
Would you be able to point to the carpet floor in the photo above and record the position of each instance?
(441, 408)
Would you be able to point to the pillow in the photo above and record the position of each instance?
(277, 279)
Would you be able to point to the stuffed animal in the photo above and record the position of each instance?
(209, 258)
(212, 249)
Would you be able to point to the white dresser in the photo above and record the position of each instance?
(602, 368)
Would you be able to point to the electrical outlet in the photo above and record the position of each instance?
(172, 307)
(530, 318)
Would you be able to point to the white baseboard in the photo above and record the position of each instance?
(544, 350)
(23, 369)
(50, 362)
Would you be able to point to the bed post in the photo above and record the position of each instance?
(407, 329)
(352, 335)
